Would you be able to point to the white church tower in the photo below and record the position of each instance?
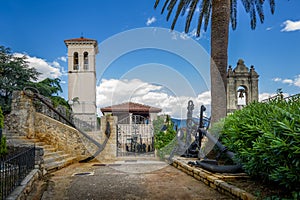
(82, 78)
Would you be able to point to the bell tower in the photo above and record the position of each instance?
(82, 78)
(242, 86)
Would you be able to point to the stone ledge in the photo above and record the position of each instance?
(215, 181)
(21, 191)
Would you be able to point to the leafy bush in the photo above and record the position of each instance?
(266, 140)
(164, 141)
(3, 148)
(1, 119)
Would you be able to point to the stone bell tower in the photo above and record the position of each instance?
(82, 78)
(242, 86)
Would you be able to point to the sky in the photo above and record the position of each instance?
(140, 59)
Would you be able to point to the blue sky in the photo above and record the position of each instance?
(158, 75)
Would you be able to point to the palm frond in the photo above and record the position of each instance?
(190, 15)
(207, 15)
(178, 11)
(233, 13)
(164, 7)
(203, 8)
(156, 4)
(272, 6)
(259, 9)
(247, 5)
(253, 16)
(186, 5)
(170, 8)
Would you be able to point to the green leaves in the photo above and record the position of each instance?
(164, 141)
(3, 147)
(266, 139)
(14, 75)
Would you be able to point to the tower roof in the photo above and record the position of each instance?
(241, 67)
(131, 107)
(81, 40)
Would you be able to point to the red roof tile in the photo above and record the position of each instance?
(79, 39)
(131, 107)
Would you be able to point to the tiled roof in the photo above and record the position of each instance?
(131, 107)
(81, 39)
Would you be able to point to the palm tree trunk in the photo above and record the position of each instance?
(218, 65)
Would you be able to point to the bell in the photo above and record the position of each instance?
(241, 95)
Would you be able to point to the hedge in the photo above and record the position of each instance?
(266, 140)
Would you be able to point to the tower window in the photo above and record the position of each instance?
(75, 61)
(86, 60)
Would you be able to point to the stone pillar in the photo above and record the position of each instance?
(109, 152)
(21, 119)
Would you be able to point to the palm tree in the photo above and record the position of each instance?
(221, 13)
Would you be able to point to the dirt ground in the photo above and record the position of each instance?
(127, 180)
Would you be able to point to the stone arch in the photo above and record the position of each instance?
(241, 78)
(242, 95)
(85, 60)
(75, 61)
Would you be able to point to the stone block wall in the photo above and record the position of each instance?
(21, 119)
(212, 180)
(25, 121)
(62, 137)
(109, 153)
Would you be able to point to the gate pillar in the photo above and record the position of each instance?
(109, 153)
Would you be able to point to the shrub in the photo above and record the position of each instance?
(266, 140)
(3, 148)
(164, 141)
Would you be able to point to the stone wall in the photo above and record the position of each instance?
(25, 121)
(62, 137)
(109, 153)
(215, 181)
(21, 119)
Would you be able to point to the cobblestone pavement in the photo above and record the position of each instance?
(126, 180)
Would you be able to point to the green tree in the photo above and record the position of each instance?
(51, 88)
(3, 148)
(48, 87)
(15, 74)
(221, 12)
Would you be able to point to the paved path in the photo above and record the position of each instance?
(124, 180)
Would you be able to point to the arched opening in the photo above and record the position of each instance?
(85, 60)
(75, 61)
(241, 96)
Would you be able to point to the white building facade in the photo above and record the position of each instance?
(82, 78)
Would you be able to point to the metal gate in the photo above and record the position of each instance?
(135, 137)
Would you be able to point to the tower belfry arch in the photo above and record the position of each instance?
(242, 86)
(82, 78)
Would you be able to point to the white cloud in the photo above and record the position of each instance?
(269, 28)
(290, 26)
(150, 21)
(63, 58)
(277, 79)
(112, 91)
(189, 35)
(48, 69)
(265, 96)
(297, 81)
(289, 81)
(294, 82)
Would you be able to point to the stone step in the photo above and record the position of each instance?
(56, 157)
(49, 149)
(51, 153)
(39, 144)
(59, 164)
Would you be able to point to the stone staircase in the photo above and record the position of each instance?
(53, 158)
